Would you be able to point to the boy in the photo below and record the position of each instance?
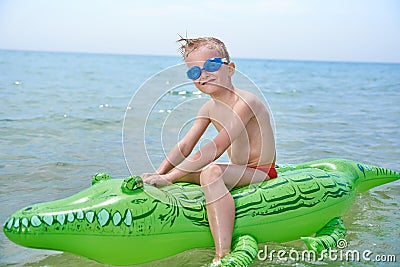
(244, 131)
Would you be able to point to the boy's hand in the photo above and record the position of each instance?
(156, 180)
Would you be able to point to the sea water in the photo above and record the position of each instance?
(62, 117)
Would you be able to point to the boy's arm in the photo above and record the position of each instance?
(185, 146)
(242, 113)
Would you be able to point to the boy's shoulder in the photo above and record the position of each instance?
(249, 99)
(205, 109)
(246, 95)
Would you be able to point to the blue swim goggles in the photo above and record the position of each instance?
(211, 65)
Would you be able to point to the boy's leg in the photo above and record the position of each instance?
(193, 177)
(216, 181)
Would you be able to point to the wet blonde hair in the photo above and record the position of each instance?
(189, 45)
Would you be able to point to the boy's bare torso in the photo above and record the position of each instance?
(254, 146)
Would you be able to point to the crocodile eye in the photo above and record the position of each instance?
(131, 184)
(28, 208)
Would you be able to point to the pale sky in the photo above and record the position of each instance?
(329, 30)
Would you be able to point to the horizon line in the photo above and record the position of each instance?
(177, 56)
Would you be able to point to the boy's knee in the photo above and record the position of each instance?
(210, 174)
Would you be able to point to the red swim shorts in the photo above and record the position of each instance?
(268, 169)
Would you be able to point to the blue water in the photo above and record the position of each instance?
(61, 120)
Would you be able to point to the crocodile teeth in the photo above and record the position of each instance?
(61, 218)
(102, 217)
(25, 222)
(128, 217)
(90, 216)
(70, 217)
(35, 221)
(10, 223)
(79, 215)
(48, 219)
(16, 223)
(117, 218)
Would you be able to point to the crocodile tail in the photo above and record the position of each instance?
(372, 176)
(363, 176)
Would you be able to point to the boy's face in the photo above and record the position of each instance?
(209, 82)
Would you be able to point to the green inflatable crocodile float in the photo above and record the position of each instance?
(123, 222)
